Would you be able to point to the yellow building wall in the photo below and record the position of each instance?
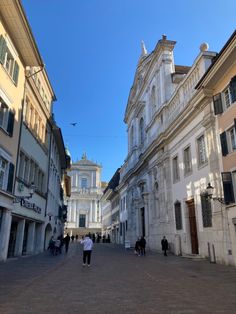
(15, 94)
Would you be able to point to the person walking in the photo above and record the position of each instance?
(87, 251)
(67, 241)
(142, 243)
(164, 245)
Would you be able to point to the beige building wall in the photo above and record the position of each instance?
(217, 83)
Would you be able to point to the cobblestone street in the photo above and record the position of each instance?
(117, 282)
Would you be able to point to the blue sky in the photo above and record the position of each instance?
(91, 49)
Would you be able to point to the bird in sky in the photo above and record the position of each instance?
(73, 123)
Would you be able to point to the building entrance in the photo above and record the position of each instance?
(12, 239)
(193, 226)
(142, 211)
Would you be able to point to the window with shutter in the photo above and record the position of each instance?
(16, 73)
(224, 146)
(6, 171)
(3, 172)
(3, 49)
(7, 60)
(227, 187)
(10, 125)
(232, 87)
(218, 108)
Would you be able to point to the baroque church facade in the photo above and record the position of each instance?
(174, 152)
(84, 208)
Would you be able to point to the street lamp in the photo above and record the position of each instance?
(209, 194)
(19, 199)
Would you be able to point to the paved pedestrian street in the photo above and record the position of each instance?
(117, 282)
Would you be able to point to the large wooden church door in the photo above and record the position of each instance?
(193, 226)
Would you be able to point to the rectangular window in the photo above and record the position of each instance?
(178, 216)
(202, 157)
(187, 161)
(206, 211)
(6, 172)
(3, 173)
(227, 187)
(7, 60)
(175, 166)
(26, 169)
(31, 174)
(7, 118)
(84, 183)
(3, 115)
(226, 98)
(21, 165)
(232, 139)
(82, 221)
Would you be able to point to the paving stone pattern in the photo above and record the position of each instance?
(117, 282)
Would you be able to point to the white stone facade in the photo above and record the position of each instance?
(84, 208)
(170, 124)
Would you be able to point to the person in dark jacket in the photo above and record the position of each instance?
(142, 244)
(67, 241)
(164, 245)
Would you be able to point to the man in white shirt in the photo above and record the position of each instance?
(88, 246)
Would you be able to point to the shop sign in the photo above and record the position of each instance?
(31, 206)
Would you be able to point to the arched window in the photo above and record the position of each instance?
(141, 130)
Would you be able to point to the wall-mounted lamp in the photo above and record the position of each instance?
(18, 199)
(209, 194)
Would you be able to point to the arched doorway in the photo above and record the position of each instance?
(48, 235)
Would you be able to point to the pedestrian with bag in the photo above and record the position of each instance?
(87, 251)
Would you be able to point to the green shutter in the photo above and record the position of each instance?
(232, 88)
(10, 124)
(10, 178)
(16, 73)
(227, 187)
(218, 108)
(224, 146)
(3, 49)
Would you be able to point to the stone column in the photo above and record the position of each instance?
(19, 237)
(91, 211)
(95, 210)
(5, 234)
(31, 239)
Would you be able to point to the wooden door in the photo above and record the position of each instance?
(193, 226)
